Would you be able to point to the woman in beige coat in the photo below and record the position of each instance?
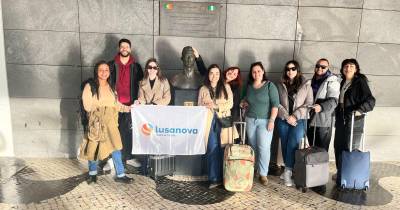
(154, 88)
(103, 138)
(217, 97)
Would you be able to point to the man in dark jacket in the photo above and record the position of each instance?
(126, 74)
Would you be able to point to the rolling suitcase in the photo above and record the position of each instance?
(161, 165)
(239, 163)
(355, 169)
(311, 167)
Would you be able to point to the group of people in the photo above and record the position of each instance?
(107, 99)
(298, 106)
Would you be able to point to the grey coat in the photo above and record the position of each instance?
(302, 99)
(327, 97)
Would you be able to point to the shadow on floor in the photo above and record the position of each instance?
(185, 192)
(19, 183)
(19, 189)
(190, 192)
(375, 196)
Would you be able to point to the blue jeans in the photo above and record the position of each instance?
(260, 140)
(214, 152)
(119, 167)
(290, 139)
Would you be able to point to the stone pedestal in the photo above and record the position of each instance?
(181, 96)
(189, 165)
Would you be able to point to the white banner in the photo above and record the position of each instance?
(173, 130)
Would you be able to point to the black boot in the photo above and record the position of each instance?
(124, 179)
(92, 179)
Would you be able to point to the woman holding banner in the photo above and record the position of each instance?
(102, 138)
(218, 98)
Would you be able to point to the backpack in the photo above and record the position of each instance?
(82, 112)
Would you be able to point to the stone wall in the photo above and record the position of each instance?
(51, 46)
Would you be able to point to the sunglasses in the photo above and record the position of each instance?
(291, 69)
(152, 67)
(320, 66)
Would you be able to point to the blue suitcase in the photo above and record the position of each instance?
(355, 165)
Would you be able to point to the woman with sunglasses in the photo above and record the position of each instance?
(325, 86)
(154, 89)
(295, 94)
(217, 97)
(261, 101)
(355, 97)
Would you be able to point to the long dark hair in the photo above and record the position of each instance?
(159, 73)
(220, 89)
(250, 79)
(95, 87)
(358, 69)
(238, 80)
(297, 80)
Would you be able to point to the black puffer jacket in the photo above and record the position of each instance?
(358, 97)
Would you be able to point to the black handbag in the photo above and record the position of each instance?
(226, 122)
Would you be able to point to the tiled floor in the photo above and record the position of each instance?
(60, 184)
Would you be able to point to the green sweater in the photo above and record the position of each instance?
(262, 100)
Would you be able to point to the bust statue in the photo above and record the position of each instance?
(189, 78)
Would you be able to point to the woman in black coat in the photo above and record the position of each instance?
(355, 97)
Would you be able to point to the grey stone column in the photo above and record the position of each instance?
(6, 142)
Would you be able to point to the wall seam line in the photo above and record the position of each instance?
(359, 29)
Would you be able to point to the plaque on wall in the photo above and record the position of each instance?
(198, 19)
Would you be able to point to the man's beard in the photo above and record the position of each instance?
(126, 55)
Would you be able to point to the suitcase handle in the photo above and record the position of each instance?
(242, 111)
(363, 136)
(242, 126)
(242, 130)
(309, 107)
(315, 127)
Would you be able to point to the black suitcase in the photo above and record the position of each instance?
(311, 167)
(161, 165)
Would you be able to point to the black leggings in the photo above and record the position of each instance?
(342, 140)
(125, 129)
(322, 137)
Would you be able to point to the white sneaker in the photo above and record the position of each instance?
(287, 177)
(109, 165)
(134, 162)
(282, 176)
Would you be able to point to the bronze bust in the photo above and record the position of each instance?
(189, 78)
